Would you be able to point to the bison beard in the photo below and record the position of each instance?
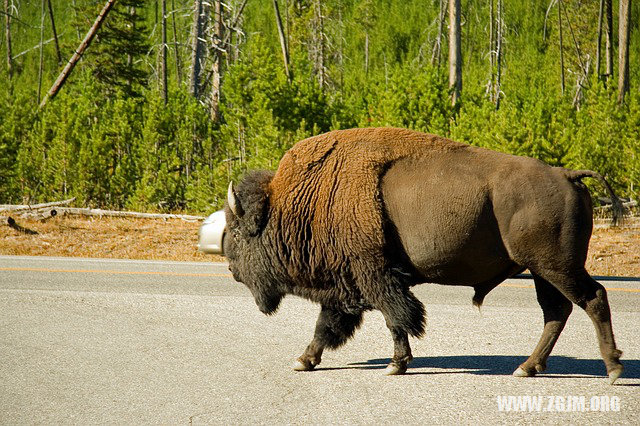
(353, 219)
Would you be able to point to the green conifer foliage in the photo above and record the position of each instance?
(118, 58)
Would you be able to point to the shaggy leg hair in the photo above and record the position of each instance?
(403, 313)
(333, 329)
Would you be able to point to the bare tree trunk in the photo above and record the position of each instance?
(599, 46)
(227, 37)
(583, 67)
(455, 54)
(490, 91)
(75, 15)
(561, 47)
(232, 52)
(175, 44)
(163, 54)
(55, 33)
(341, 47)
(132, 12)
(366, 52)
(283, 41)
(491, 40)
(41, 68)
(217, 62)
(7, 29)
(319, 45)
(499, 54)
(609, 14)
(623, 49)
(437, 45)
(78, 53)
(196, 51)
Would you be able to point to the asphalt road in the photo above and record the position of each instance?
(128, 342)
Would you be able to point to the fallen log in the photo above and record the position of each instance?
(41, 214)
(21, 207)
(116, 213)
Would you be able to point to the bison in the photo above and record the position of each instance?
(352, 219)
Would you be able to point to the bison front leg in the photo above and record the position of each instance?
(333, 328)
(404, 315)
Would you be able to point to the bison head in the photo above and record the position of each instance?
(250, 243)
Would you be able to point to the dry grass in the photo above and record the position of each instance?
(615, 251)
(118, 238)
(612, 251)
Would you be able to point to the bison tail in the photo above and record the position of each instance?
(616, 205)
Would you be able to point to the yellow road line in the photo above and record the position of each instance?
(516, 285)
(627, 290)
(187, 274)
(106, 271)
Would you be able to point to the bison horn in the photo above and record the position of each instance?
(231, 199)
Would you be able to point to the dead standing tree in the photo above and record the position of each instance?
(623, 49)
(197, 50)
(562, 83)
(175, 44)
(78, 53)
(455, 55)
(609, 43)
(560, 38)
(318, 45)
(582, 76)
(163, 54)
(499, 40)
(7, 29)
(496, 40)
(55, 33)
(599, 42)
(234, 28)
(218, 51)
(283, 40)
(41, 67)
(437, 44)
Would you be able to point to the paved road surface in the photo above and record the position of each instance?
(128, 342)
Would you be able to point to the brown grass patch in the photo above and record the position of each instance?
(117, 238)
(613, 251)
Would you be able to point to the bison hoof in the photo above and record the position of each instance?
(303, 366)
(613, 375)
(522, 373)
(394, 369)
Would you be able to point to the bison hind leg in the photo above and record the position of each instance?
(556, 309)
(578, 287)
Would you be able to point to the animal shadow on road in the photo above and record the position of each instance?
(500, 365)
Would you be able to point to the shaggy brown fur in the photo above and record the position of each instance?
(353, 218)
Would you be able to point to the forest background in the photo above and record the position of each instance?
(163, 109)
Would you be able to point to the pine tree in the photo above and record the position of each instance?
(123, 41)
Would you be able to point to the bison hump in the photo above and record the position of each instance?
(326, 190)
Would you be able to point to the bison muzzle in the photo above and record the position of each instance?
(352, 219)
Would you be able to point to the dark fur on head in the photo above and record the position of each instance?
(249, 258)
(252, 201)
